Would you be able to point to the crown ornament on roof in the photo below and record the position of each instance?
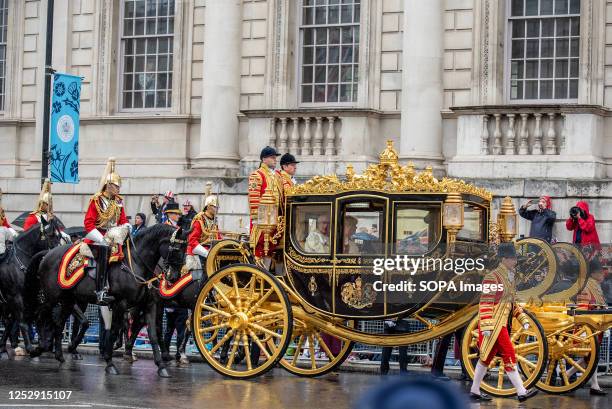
(388, 176)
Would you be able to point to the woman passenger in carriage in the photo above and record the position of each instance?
(317, 241)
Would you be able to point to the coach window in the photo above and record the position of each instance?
(311, 232)
(358, 227)
(147, 37)
(417, 228)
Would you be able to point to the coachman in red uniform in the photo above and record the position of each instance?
(496, 307)
(259, 180)
(105, 211)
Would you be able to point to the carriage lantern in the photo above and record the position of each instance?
(267, 217)
(506, 219)
(453, 215)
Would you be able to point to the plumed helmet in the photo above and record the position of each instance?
(45, 196)
(211, 200)
(110, 175)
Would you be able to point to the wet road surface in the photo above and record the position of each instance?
(198, 386)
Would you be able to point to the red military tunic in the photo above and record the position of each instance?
(203, 230)
(100, 217)
(32, 220)
(259, 180)
(494, 311)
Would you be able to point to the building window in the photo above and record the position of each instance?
(329, 58)
(544, 49)
(3, 34)
(147, 32)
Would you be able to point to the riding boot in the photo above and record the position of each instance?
(101, 276)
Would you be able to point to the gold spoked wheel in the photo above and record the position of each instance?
(315, 353)
(242, 309)
(531, 351)
(573, 354)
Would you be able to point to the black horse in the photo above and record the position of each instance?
(158, 246)
(186, 298)
(13, 269)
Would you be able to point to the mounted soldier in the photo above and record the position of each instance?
(106, 212)
(204, 229)
(265, 191)
(7, 233)
(43, 212)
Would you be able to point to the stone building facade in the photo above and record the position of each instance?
(515, 94)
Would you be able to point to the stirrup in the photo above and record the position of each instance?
(104, 298)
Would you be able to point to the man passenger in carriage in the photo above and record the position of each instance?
(105, 211)
(204, 229)
(493, 336)
(317, 241)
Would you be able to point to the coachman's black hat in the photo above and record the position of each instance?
(268, 151)
(172, 207)
(506, 250)
(288, 159)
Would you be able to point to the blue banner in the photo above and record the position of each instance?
(64, 128)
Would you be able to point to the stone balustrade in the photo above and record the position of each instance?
(523, 133)
(305, 135)
(511, 141)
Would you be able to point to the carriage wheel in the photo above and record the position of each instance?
(318, 357)
(576, 348)
(239, 307)
(531, 351)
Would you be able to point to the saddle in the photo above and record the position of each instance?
(77, 260)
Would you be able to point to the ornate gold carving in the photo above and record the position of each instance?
(312, 285)
(298, 257)
(388, 175)
(357, 295)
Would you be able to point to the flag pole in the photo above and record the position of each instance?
(47, 95)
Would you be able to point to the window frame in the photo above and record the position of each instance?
(484, 219)
(120, 66)
(507, 65)
(361, 84)
(293, 212)
(338, 223)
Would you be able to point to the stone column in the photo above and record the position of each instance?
(422, 92)
(221, 88)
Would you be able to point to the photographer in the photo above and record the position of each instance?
(582, 223)
(542, 218)
(160, 210)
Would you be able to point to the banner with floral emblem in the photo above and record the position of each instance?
(64, 129)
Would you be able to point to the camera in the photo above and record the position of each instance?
(575, 211)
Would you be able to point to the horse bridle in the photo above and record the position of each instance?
(161, 263)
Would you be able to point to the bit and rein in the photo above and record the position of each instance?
(158, 277)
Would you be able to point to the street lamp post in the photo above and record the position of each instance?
(47, 93)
